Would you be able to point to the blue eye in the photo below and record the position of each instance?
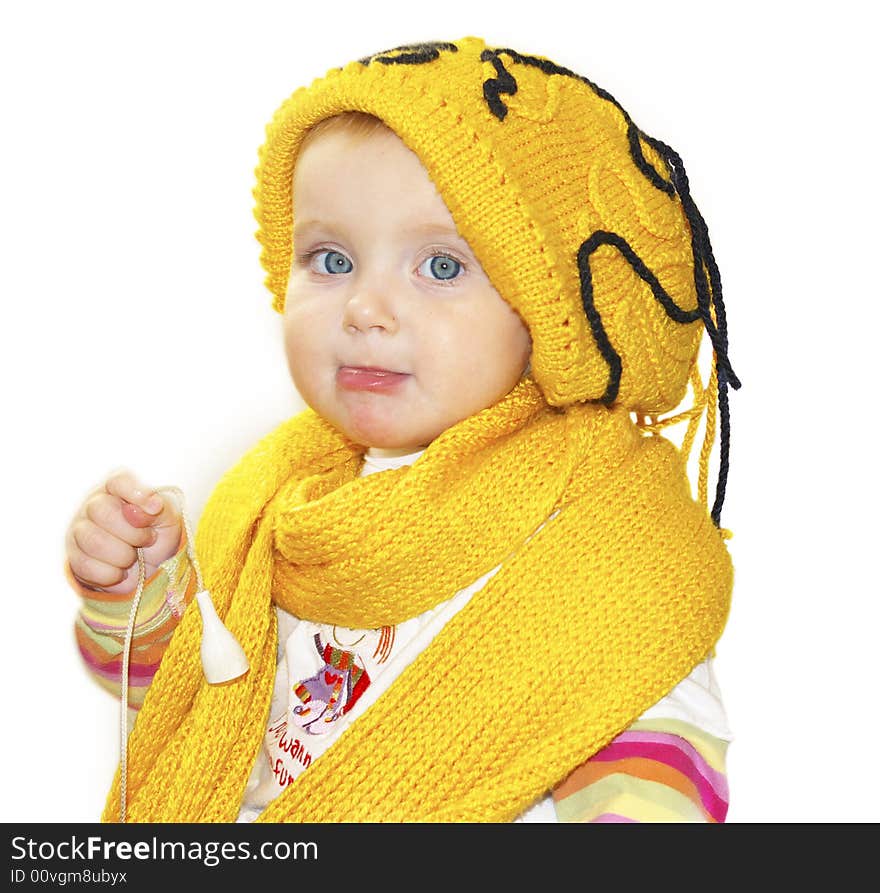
(440, 266)
(332, 262)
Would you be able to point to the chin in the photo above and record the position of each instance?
(382, 430)
(386, 442)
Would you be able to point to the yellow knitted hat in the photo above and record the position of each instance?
(583, 223)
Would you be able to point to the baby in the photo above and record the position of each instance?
(470, 581)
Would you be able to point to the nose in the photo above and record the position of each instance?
(369, 308)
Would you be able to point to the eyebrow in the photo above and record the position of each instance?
(301, 225)
(437, 229)
(423, 229)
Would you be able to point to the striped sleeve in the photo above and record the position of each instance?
(102, 621)
(658, 770)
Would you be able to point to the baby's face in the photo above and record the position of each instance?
(392, 330)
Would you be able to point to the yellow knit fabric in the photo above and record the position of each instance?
(588, 622)
(526, 192)
(592, 618)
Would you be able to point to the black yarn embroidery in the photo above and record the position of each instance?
(410, 54)
(707, 278)
(494, 87)
(506, 83)
(610, 355)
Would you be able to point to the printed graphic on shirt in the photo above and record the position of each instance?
(331, 692)
(288, 755)
(332, 671)
(321, 699)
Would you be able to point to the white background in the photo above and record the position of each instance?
(137, 332)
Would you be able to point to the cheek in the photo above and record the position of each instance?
(299, 343)
(513, 338)
(493, 346)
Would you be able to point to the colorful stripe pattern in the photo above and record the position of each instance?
(657, 771)
(103, 619)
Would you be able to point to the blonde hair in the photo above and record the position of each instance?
(354, 123)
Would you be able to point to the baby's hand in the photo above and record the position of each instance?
(112, 523)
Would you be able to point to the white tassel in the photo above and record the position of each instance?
(223, 658)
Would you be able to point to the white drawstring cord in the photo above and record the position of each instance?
(223, 658)
(123, 703)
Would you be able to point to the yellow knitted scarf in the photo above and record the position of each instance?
(590, 619)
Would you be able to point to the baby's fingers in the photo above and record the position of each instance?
(96, 556)
(108, 513)
(148, 504)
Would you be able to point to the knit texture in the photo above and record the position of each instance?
(588, 622)
(569, 207)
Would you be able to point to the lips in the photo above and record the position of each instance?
(369, 378)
